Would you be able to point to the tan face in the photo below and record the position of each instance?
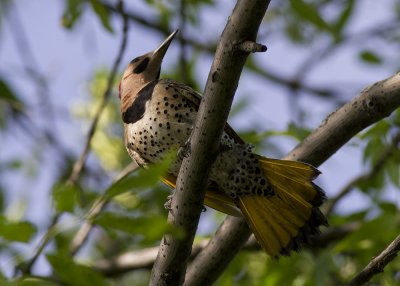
(139, 72)
(142, 70)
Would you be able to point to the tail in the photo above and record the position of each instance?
(290, 218)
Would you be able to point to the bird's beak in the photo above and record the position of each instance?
(159, 53)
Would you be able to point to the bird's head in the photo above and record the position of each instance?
(142, 70)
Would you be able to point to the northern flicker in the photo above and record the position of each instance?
(276, 197)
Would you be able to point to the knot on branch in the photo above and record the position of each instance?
(252, 47)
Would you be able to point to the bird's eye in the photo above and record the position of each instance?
(135, 60)
(141, 66)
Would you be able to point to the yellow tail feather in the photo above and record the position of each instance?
(284, 221)
(289, 218)
(214, 199)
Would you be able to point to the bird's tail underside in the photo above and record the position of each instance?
(282, 222)
(290, 218)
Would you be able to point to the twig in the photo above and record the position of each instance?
(376, 265)
(98, 206)
(144, 258)
(370, 106)
(370, 175)
(156, 25)
(137, 259)
(291, 83)
(182, 43)
(243, 24)
(226, 243)
(78, 166)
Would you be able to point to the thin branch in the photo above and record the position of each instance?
(219, 252)
(376, 265)
(371, 105)
(293, 84)
(243, 24)
(370, 175)
(182, 43)
(134, 260)
(156, 25)
(144, 258)
(98, 206)
(78, 166)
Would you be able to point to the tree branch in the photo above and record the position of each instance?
(98, 206)
(144, 258)
(377, 264)
(243, 24)
(371, 105)
(219, 252)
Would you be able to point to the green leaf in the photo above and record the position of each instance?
(72, 12)
(141, 179)
(33, 281)
(395, 118)
(309, 13)
(297, 132)
(102, 13)
(344, 17)
(379, 129)
(74, 274)
(370, 57)
(388, 208)
(8, 99)
(393, 171)
(372, 235)
(6, 92)
(151, 227)
(376, 183)
(16, 231)
(65, 197)
(372, 150)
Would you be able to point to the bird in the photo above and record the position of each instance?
(277, 198)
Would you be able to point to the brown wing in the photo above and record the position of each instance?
(214, 198)
(195, 98)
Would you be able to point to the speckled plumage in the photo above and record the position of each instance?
(277, 198)
(167, 123)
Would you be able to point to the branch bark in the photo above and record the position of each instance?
(377, 264)
(242, 26)
(144, 258)
(371, 105)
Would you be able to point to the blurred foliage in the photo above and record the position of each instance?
(134, 216)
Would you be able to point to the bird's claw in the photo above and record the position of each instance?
(168, 203)
(184, 150)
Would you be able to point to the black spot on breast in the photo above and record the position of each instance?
(141, 66)
(137, 109)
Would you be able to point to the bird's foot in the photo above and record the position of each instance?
(185, 149)
(168, 203)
